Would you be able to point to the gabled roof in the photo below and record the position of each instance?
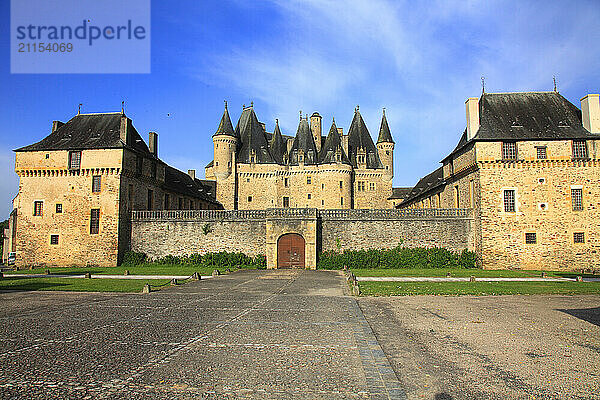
(303, 141)
(253, 139)
(225, 126)
(332, 143)
(179, 182)
(426, 184)
(526, 116)
(359, 137)
(399, 193)
(277, 145)
(91, 131)
(385, 136)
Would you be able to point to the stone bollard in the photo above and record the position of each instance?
(196, 276)
(345, 268)
(216, 272)
(356, 290)
(227, 271)
(472, 279)
(448, 275)
(146, 289)
(544, 275)
(31, 267)
(126, 272)
(87, 275)
(47, 272)
(579, 278)
(174, 281)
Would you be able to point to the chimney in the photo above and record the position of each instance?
(192, 173)
(472, 106)
(315, 127)
(590, 113)
(56, 125)
(153, 143)
(123, 129)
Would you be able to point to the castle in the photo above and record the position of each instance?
(520, 189)
(254, 169)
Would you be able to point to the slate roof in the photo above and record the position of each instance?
(277, 144)
(253, 138)
(399, 193)
(359, 137)
(385, 136)
(427, 183)
(91, 131)
(304, 141)
(179, 182)
(330, 145)
(526, 116)
(225, 126)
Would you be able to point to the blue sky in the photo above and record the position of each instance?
(420, 60)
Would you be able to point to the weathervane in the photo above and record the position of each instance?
(79, 109)
(482, 84)
(123, 107)
(383, 110)
(225, 104)
(554, 80)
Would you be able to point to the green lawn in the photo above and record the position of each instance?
(147, 269)
(441, 272)
(78, 284)
(476, 288)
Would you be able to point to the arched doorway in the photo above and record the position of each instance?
(290, 251)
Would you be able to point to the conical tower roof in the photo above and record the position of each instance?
(332, 144)
(253, 139)
(359, 137)
(304, 141)
(385, 136)
(277, 144)
(225, 126)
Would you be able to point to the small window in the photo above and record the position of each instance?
(252, 159)
(322, 186)
(456, 197)
(59, 208)
(578, 237)
(47, 156)
(576, 198)
(387, 152)
(322, 202)
(579, 149)
(229, 164)
(38, 208)
(249, 199)
(286, 202)
(95, 221)
(286, 182)
(139, 163)
(509, 200)
(530, 238)
(54, 239)
(74, 159)
(308, 180)
(216, 163)
(541, 152)
(341, 201)
(341, 184)
(360, 186)
(150, 199)
(371, 186)
(96, 183)
(309, 196)
(509, 151)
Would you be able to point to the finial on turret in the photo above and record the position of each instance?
(243, 107)
(383, 110)
(555, 87)
(251, 104)
(79, 109)
(123, 107)
(357, 108)
(334, 120)
(276, 121)
(300, 115)
(225, 104)
(482, 84)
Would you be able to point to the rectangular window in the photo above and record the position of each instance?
(139, 164)
(541, 152)
(286, 202)
(167, 201)
(38, 208)
(341, 201)
(579, 149)
(360, 186)
(577, 200)
(509, 200)
(286, 182)
(249, 199)
(509, 151)
(456, 197)
(59, 208)
(341, 184)
(150, 199)
(322, 202)
(322, 186)
(578, 237)
(96, 183)
(530, 238)
(309, 196)
(471, 193)
(308, 180)
(53, 239)
(95, 221)
(371, 186)
(74, 159)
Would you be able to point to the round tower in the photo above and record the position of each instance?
(315, 127)
(385, 147)
(225, 144)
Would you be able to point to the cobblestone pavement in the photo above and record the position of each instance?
(247, 335)
(493, 347)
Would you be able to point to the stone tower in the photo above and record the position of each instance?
(315, 127)
(385, 147)
(225, 142)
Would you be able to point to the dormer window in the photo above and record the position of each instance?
(361, 159)
(252, 158)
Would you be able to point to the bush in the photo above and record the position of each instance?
(221, 259)
(133, 258)
(399, 257)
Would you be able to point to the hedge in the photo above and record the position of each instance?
(399, 257)
(220, 259)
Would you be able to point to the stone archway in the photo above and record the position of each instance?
(290, 251)
(299, 221)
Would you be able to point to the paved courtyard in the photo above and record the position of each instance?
(296, 335)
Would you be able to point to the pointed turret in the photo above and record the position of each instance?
(385, 136)
(303, 150)
(361, 149)
(277, 145)
(332, 150)
(254, 146)
(225, 126)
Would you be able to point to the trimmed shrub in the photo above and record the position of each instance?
(133, 258)
(399, 257)
(220, 259)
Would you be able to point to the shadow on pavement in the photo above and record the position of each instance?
(25, 285)
(591, 315)
(443, 396)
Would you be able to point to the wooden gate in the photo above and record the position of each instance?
(290, 251)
